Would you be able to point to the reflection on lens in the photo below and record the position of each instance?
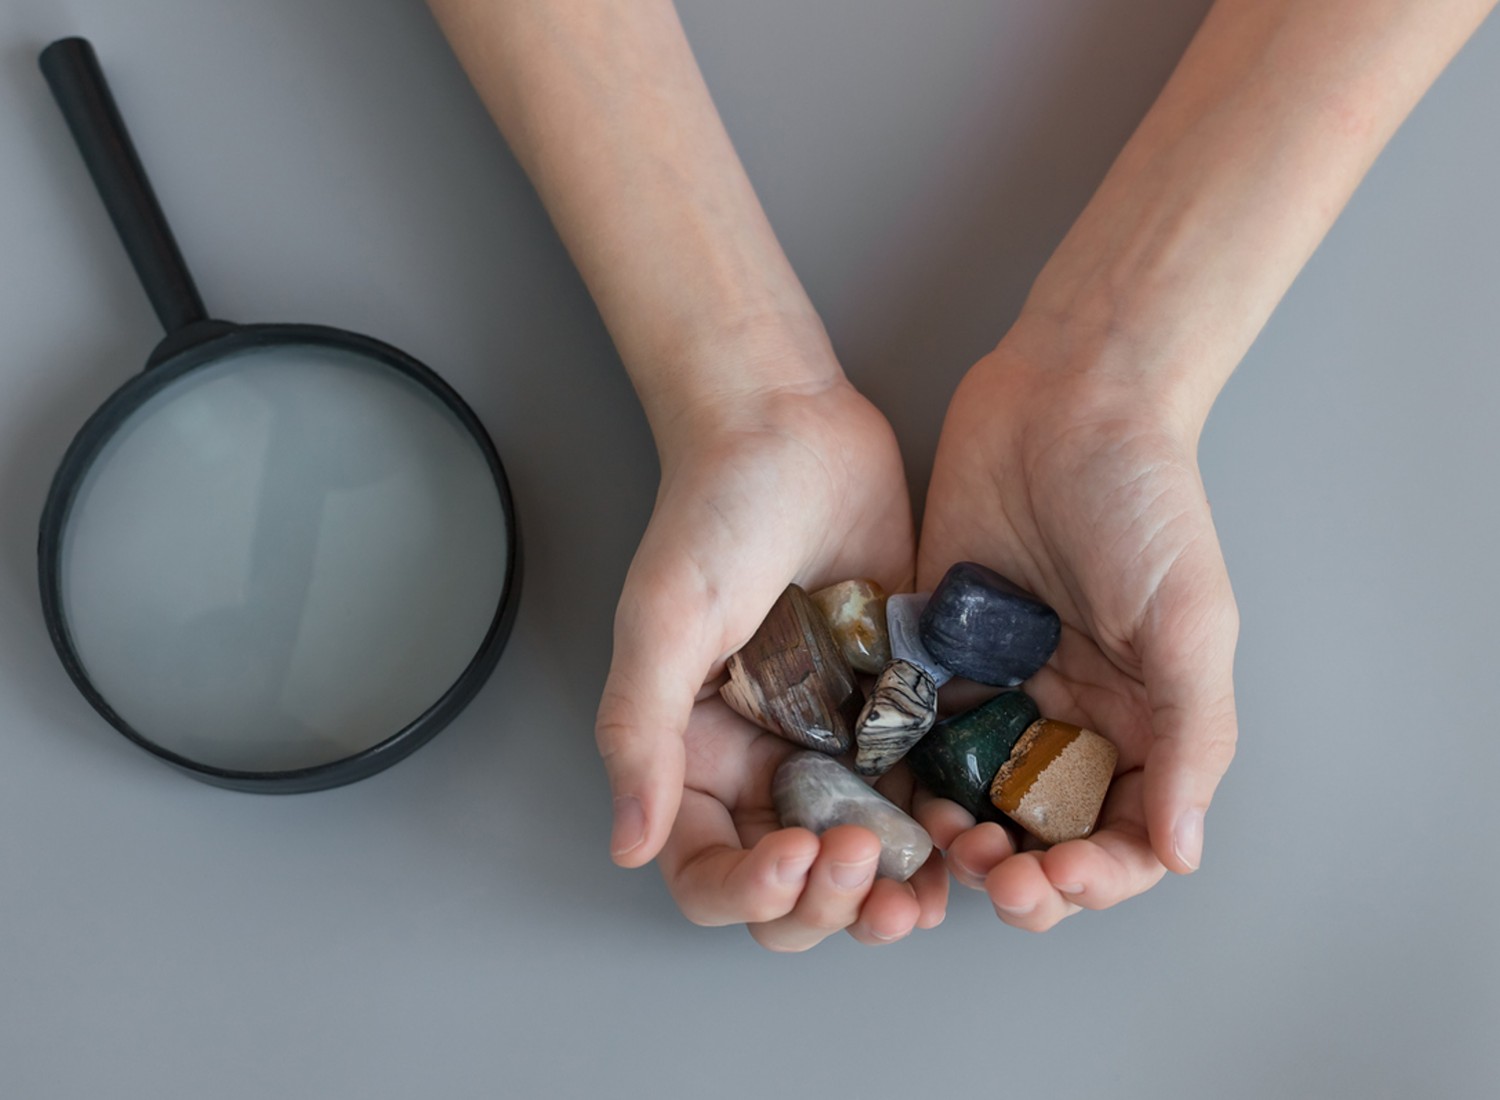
(282, 559)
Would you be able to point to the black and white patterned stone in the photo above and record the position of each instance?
(903, 613)
(900, 710)
(816, 792)
(986, 628)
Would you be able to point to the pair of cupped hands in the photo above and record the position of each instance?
(1081, 485)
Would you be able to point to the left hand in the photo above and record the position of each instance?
(1086, 492)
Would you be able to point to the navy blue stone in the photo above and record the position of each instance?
(982, 627)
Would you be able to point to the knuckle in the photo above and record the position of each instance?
(764, 910)
(825, 920)
(693, 903)
(696, 909)
(1039, 925)
(771, 941)
(615, 735)
(697, 914)
(1217, 752)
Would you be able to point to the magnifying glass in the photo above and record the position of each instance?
(282, 557)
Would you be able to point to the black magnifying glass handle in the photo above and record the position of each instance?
(72, 71)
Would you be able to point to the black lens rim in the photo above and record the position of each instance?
(223, 340)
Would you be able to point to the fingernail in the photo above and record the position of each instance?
(791, 871)
(630, 825)
(1016, 911)
(1187, 838)
(851, 876)
(1071, 887)
(886, 939)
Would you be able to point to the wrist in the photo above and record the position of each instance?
(1102, 360)
(734, 373)
(1150, 291)
(1229, 183)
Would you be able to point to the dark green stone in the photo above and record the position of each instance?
(960, 756)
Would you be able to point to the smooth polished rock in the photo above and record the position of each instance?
(1055, 780)
(855, 611)
(986, 628)
(812, 791)
(903, 613)
(958, 759)
(900, 710)
(791, 678)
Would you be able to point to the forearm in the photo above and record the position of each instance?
(1274, 114)
(604, 105)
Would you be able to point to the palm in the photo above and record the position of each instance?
(1098, 509)
(806, 488)
(815, 503)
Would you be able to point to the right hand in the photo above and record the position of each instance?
(759, 489)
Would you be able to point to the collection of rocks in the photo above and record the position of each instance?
(1002, 760)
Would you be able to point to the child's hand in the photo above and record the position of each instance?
(793, 484)
(1087, 493)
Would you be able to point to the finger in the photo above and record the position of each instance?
(944, 820)
(1115, 863)
(841, 878)
(716, 882)
(930, 882)
(660, 661)
(1024, 897)
(977, 852)
(1102, 870)
(1188, 664)
(889, 914)
(930, 885)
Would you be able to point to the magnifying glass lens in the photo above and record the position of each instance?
(282, 559)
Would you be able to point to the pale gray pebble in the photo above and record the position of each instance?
(899, 712)
(903, 615)
(815, 792)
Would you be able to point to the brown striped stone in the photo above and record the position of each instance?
(1055, 781)
(792, 679)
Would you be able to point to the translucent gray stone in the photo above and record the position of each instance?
(903, 613)
(900, 710)
(816, 792)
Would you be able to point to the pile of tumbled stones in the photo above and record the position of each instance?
(1001, 761)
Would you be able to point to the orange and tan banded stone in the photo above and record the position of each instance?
(856, 615)
(1055, 780)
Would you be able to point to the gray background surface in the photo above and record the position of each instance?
(453, 927)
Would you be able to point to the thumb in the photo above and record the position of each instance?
(661, 658)
(1188, 666)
